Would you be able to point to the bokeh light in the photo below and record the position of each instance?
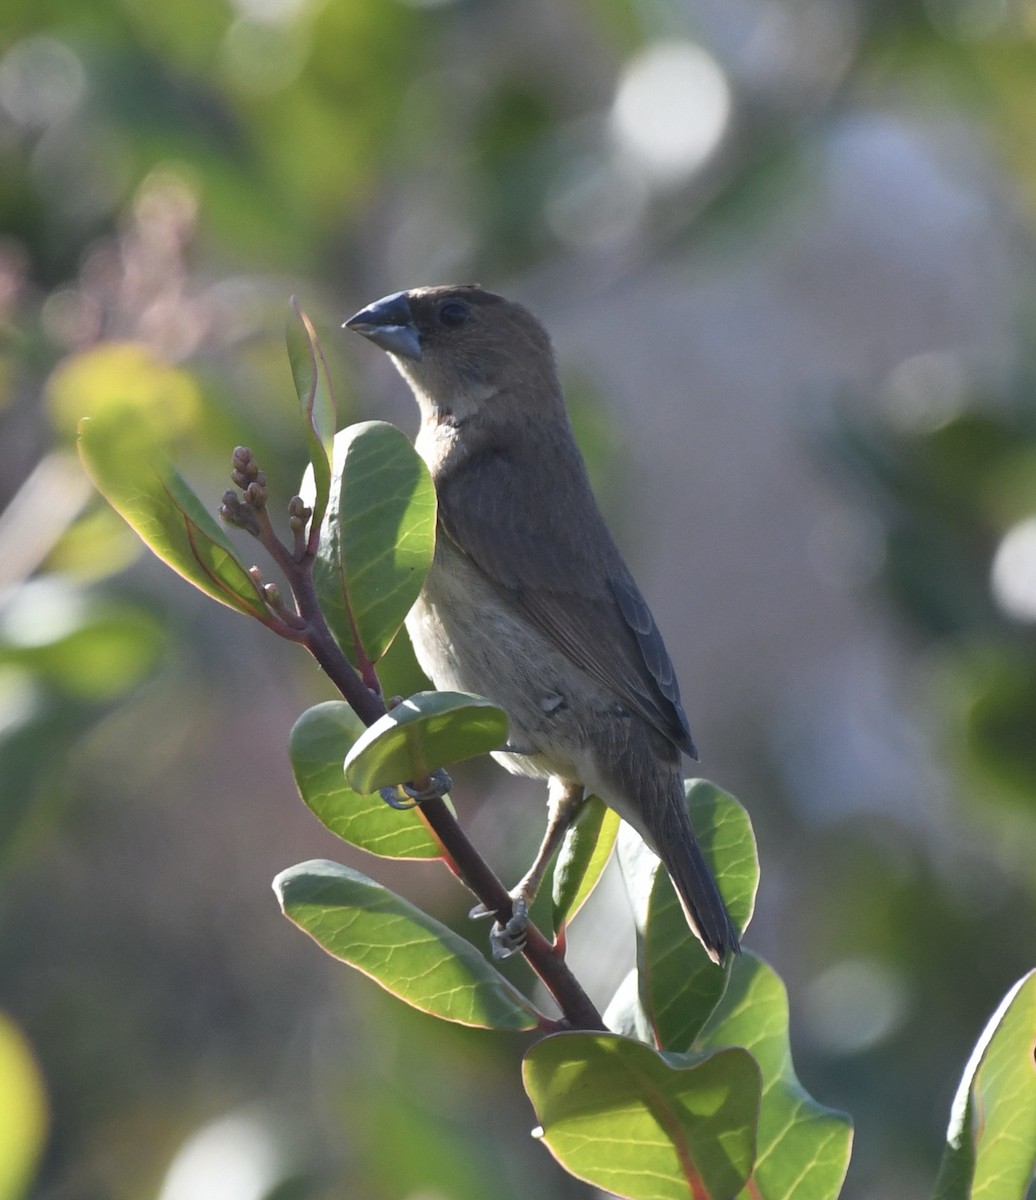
(672, 109)
(1013, 573)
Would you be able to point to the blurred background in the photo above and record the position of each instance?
(785, 248)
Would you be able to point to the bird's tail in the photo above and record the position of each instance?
(700, 899)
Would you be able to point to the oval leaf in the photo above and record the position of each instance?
(319, 741)
(632, 1122)
(427, 731)
(313, 386)
(991, 1143)
(680, 985)
(128, 468)
(407, 952)
(584, 854)
(803, 1151)
(377, 537)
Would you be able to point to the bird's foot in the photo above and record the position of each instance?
(506, 938)
(403, 796)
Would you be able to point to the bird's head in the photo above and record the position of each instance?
(464, 351)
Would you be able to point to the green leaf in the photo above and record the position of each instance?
(991, 1142)
(427, 731)
(407, 952)
(680, 985)
(313, 385)
(584, 854)
(377, 537)
(803, 1147)
(639, 1124)
(319, 742)
(724, 830)
(625, 1012)
(23, 1113)
(122, 458)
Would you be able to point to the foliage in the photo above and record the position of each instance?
(695, 1094)
(367, 583)
(167, 176)
(991, 1142)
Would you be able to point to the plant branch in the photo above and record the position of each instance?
(479, 878)
(462, 857)
(472, 869)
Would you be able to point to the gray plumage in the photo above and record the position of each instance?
(529, 601)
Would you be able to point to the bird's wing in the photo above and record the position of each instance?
(568, 579)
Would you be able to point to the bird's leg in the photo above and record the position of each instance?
(564, 800)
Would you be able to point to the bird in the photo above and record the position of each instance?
(528, 601)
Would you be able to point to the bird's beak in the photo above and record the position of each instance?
(389, 323)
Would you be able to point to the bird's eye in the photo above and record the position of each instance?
(453, 314)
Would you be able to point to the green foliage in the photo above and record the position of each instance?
(319, 742)
(319, 417)
(696, 1094)
(377, 537)
(407, 952)
(585, 852)
(803, 1148)
(644, 1125)
(991, 1143)
(588, 1090)
(421, 734)
(129, 468)
(162, 170)
(678, 984)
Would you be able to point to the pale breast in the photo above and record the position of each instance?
(469, 637)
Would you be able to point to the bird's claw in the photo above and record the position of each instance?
(391, 797)
(439, 783)
(506, 938)
(509, 938)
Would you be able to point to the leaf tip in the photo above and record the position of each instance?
(281, 885)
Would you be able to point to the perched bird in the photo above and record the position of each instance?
(529, 601)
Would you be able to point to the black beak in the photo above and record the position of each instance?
(389, 323)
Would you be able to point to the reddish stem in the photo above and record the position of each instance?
(365, 698)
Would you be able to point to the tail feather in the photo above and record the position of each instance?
(695, 885)
(644, 785)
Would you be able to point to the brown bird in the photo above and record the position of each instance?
(529, 601)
